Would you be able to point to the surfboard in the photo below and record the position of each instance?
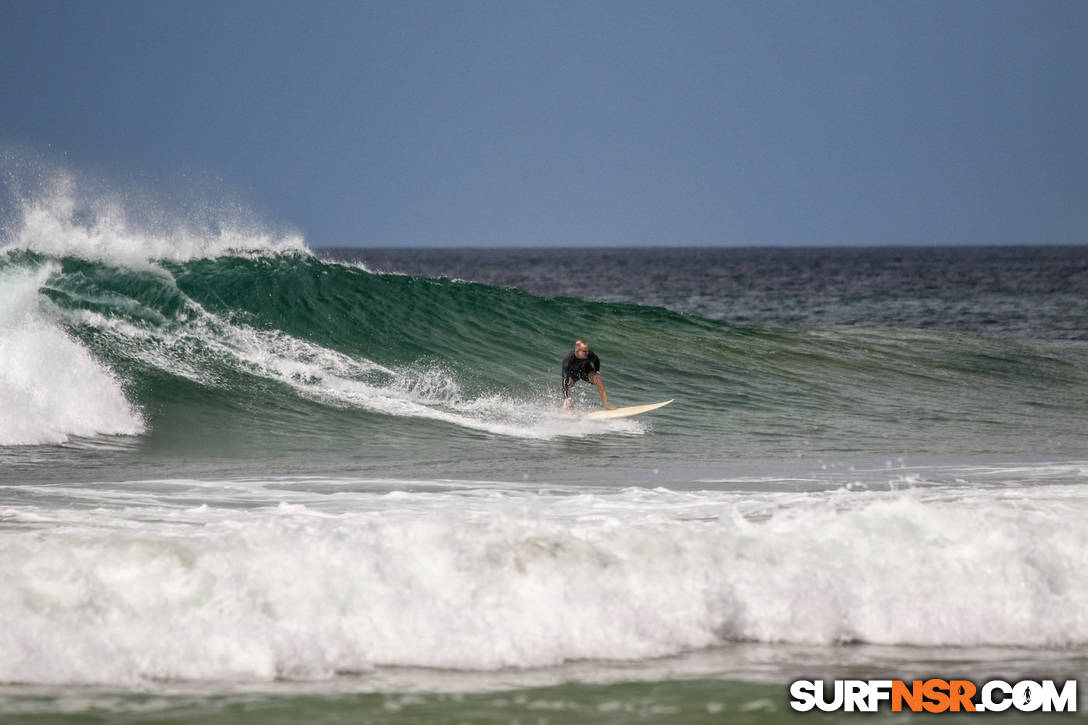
(626, 412)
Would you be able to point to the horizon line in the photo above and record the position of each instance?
(575, 247)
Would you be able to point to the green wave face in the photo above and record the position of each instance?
(265, 354)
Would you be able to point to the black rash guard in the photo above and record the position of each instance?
(575, 368)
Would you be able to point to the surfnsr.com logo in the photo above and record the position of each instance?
(933, 695)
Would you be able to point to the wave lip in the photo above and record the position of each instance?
(51, 387)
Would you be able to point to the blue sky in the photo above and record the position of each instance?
(573, 123)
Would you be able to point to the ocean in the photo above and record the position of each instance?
(247, 480)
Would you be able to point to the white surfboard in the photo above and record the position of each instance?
(625, 412)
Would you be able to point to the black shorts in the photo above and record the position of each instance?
(584, 375)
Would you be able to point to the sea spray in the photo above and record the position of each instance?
(67, 216)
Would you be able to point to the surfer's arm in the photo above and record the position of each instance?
(567, 383)
(568, 379)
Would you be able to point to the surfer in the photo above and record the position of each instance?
(582, 363)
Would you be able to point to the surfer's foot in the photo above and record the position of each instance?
(609, 406)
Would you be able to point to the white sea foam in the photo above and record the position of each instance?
(305, 585)
(51, 387)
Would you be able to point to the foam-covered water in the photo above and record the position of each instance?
(304, 579)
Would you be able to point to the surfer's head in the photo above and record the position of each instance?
(581, 349)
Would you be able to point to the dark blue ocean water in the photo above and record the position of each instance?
(1013, 292)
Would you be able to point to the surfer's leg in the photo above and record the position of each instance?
(595, 378)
